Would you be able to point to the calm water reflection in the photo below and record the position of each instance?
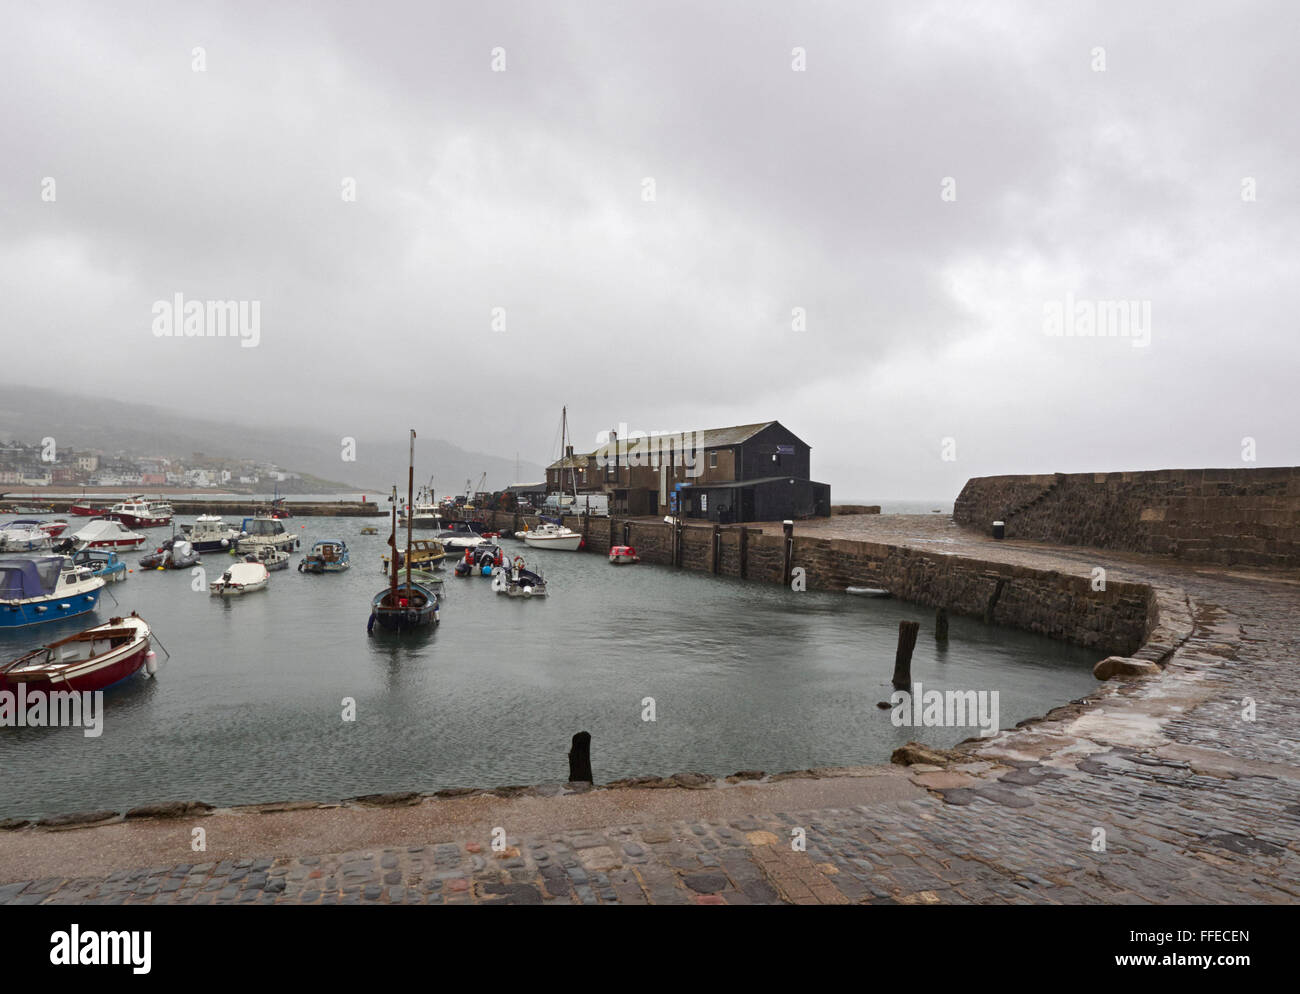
(744, 676)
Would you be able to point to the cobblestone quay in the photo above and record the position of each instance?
(1180, 787)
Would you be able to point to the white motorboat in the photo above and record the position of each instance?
(104, 533)
(459, 541)
(548, 535)
(241, 578)
(261, 530)
(210, 533)
(23, 536)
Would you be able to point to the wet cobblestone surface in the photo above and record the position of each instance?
(1197, 804)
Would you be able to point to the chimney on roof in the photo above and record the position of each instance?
(568, 451)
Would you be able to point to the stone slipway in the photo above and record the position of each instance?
(1193, 802)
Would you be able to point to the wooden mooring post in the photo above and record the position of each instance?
(744, 552)
(678, 530)
(787, 551)
(907, 631)
(717, 549)
(580, 759)
(941, 624)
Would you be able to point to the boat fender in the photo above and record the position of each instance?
(151, 663)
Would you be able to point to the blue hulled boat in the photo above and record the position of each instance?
(103, 563)
(35, 590)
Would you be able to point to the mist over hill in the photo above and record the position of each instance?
(29, 414)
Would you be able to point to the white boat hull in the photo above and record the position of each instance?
(565, 543)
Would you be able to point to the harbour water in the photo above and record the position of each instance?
(743, 675)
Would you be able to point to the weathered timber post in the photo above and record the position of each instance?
(744, 552)
(941, 624)
(903, 656)
(679, 531)
(788, 551)
(993, 600)
(586, 525)
(627, 533)
(717, 549)
(580, 759)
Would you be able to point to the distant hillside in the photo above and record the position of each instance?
(32, 413)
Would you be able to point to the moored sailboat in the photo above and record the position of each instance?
(403, 604)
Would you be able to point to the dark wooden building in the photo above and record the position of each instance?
(755, 472)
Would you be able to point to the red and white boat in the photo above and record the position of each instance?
(88, 661)
(87, 509)
(619, 554)
(53, 528)
(140, 513)
(105, 533)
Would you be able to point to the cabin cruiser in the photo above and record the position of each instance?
(23, 536)
(37, 589)
(264, 530)
(210, 533)
(549, 535)
(139, 513)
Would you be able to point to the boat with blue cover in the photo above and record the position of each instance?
(37, 589)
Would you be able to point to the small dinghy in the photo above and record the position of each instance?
(241, 578)
(175, 553)
(620, 554)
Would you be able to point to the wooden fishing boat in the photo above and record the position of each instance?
(426, 554)
(403, 605)
(92, 660)
(88, 509)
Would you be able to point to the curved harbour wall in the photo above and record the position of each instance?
(1227, 516)
(1113, 621)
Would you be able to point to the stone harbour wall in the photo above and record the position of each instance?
(1113, 621)
(1227, 516)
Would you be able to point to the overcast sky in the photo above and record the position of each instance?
(774, 189)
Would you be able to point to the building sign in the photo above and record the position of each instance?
(704, 502)
(785, 450)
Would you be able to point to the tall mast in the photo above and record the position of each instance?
(410, 505)
(564, 454)
(392, 544)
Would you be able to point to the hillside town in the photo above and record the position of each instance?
(43, 464)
